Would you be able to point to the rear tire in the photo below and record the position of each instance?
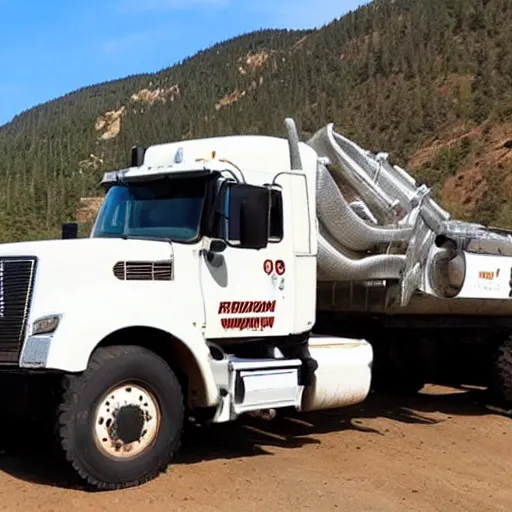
(501, 381)
(120, 421)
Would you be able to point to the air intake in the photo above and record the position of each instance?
(143, 270)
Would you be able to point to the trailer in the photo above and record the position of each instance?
(430, 293)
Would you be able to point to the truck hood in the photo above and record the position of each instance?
(90, 248)
(75, 273)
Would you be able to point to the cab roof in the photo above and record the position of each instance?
(239, 154)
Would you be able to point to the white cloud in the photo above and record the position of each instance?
(139, 6)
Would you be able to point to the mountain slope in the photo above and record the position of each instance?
(429, 82)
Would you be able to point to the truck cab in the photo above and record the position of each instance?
(246, 239)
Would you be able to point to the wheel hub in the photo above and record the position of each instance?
(126, 421)
(128, 424)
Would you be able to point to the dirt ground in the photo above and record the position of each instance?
(442, 450)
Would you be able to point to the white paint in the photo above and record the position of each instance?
(343, 376)
(487, 277)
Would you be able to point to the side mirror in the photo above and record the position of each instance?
(248, 215)
(254, 222)
(216, 247)
(69, 230)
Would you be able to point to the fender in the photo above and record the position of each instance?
(80, 332)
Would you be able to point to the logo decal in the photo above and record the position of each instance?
(280, 267)
(244, 307)
(488, 276)
(489, 281)
(268, 267)
(249, 323)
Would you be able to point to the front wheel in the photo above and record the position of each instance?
(120, 421)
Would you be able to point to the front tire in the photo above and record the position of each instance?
(120, 422)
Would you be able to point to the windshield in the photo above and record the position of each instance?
(170, 209)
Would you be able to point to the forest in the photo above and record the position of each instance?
(429, 82)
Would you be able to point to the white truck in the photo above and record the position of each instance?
(215, 275)
(194, 296)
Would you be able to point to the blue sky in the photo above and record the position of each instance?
(51, 47)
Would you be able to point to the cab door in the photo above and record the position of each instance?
(247, 290)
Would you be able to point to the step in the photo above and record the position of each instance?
(255, 384)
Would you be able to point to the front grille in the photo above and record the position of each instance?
(16, 286)
(143, 270)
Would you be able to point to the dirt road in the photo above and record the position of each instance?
(438, 451)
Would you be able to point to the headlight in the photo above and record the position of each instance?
(45, 325)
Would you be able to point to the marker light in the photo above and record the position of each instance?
(45, 325)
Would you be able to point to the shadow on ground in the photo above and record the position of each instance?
(26, 457)
(290, 429)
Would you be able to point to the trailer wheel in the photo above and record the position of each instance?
(120, 421)
(501, 383)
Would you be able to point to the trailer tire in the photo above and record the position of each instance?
(127, 397)
(501, 383)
